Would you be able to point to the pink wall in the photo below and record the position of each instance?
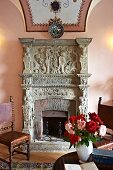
(100, 60)
(100, 28)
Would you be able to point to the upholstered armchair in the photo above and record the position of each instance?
(10, 138)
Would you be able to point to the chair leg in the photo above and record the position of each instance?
(10, 157)
(28, 150)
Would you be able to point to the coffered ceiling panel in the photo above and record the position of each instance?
(40, 13)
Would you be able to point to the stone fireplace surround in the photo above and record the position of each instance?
(55, 78)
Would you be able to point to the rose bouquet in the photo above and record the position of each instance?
(81, 130)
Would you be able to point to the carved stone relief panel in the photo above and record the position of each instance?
(51, 60)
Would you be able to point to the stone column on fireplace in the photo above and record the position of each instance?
(55, 77)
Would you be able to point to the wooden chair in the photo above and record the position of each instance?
(105, 112)
(13, 140)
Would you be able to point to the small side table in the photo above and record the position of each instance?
(72, 158)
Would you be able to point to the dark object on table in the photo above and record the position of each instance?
(103, 156)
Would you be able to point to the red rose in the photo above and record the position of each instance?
(66, 134)
(74, 139)
(81, 117)
(93, 116)
(72, 119)
(91, 126)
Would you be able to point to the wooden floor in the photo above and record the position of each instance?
(40, 157)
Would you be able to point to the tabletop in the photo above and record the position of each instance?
(72, 158)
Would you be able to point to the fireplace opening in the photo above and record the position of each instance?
(54, 126)
(54, 123)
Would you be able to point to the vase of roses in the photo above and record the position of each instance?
(82, 131)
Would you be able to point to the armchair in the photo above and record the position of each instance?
(13, 140)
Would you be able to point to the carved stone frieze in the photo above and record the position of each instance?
(49, 80)
(55, 77)
(62, 92)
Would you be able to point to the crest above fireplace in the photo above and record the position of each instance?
(55, 78)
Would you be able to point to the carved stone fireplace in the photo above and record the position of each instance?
(55, 78)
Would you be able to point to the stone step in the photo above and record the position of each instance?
(50, 146)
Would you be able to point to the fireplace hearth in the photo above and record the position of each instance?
(55, 84)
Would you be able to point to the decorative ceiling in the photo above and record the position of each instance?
(40, 13)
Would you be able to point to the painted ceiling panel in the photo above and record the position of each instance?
(71, 13)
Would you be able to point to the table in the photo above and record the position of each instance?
(72, 158)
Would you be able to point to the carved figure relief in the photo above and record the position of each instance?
(39, 64)
(52, 60)
(27, 58)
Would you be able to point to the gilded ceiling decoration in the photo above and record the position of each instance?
(71, 13)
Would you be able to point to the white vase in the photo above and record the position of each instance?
(84, 151)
